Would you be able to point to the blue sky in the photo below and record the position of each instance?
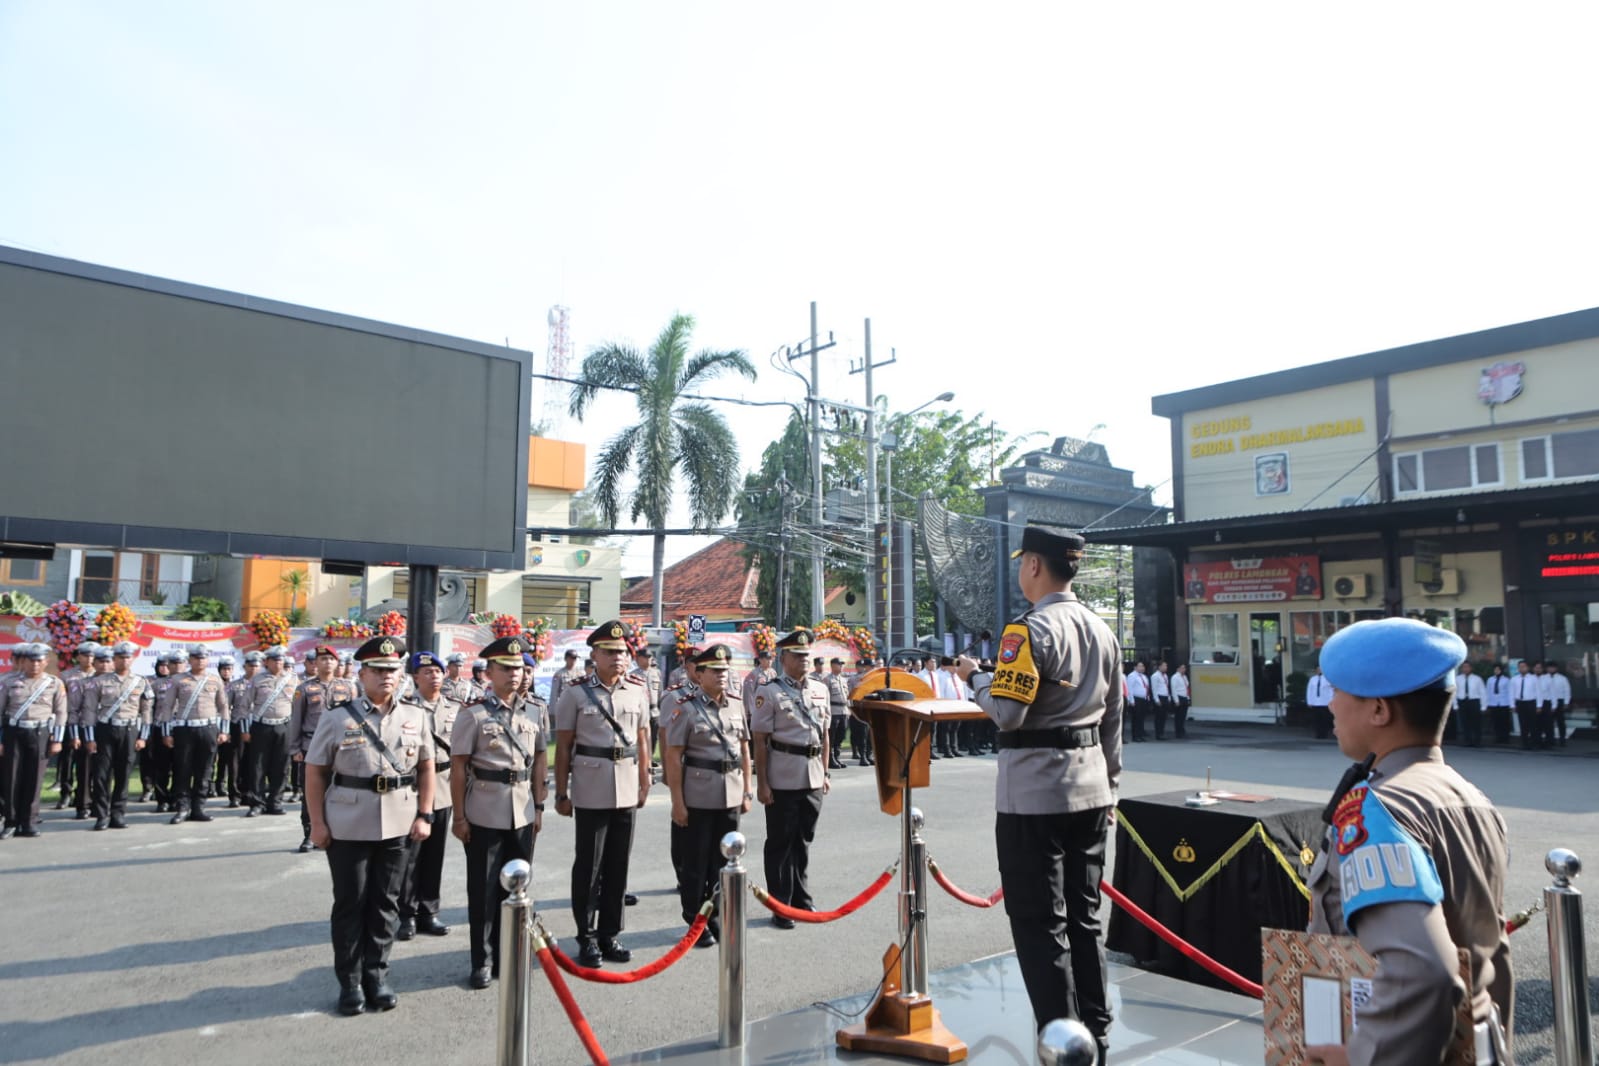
(1054, 210)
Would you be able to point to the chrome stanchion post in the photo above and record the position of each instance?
(916, 965)
(515, 1046)
(1065, 1042)
(730, 984)
(1568, 967)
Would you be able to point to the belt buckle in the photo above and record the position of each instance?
(381, 783)
(616, 753)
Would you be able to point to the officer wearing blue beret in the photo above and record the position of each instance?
(1414, 863)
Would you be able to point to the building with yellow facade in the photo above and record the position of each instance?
(1453, 481)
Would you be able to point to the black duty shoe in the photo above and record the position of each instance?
(144, 797)
(8, 831)
(305, 846)
(81, 816)
(28, 831)
(588, 954)
(480, 978)
(179, 818)
(118, 823)
(276, 810)
(379, 996)
(935, 756)
(351, 1001)
(61, 804)
(252, 812)
(780, 922)
(611, 951)
(707, 938)
(432, 927)
(406, 930)
(101, 823)
(629, 900)
(198, 815)
(233, 803)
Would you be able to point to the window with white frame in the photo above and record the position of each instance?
(1561, 456)
(1460, 466)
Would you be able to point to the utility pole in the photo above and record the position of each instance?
(814, 402)
(866, 366)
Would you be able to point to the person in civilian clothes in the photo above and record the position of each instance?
(33, 725)
(424, 862)
(1559, 701)
(80, 735)
(1416, 858)
(311, 699)
(838, 712)
(1524, 694)
(1469, 694)
(155, 761)
(1160, 696)
(602, 733)
(789, 742)
(198, 724)
(498, 757)
(645, 670)
(369, 784)
(115, 718)
(72, 766)
(1499, 704)
(1318, 694)
(708, 772)
(1056, 698)
(1138, 692)
(267, 732)
(1182, 699)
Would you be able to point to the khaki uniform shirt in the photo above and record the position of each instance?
(752, 685)
(482, 733)
(137, 700)
(562, 680)
(1067, 642)
(50, 703)
(199, 698)
(161, 688)
(311, 698)
(652, 687)
(707, 731)
(239, 690)
(604, 783)
(441, 723)
(793, 713)
(837, 693)
(1410, 1015)
(461, 690)
(341, 743)
(272, 703)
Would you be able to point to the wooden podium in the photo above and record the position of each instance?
(902, 1020)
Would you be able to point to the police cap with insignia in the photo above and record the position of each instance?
(609, 636)
(253, 657)
(419, 659)
(1052, 542)
(716, 657)
(1391, 657)
(479, 664)
(125, 647)
(274, 652)
(382, 653)
(835, 661)
(102, 653)
(199, 651)
(85, 648)
(797, 642)
(226, 662)
(29, 651)
(456, 658)
(325, 649)
(507, 651)
(570, 655)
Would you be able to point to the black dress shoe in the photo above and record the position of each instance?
(611, 951)
(61, 804)
(629, 900)
(480, 978)
(232, 803)
(252, 812)
(305, 845)
(780, 922)
(276, 810)
(406, 931)
(707, 938)
(30, 831)
(351, 1001)
(432, 927)
(101, 823)
(379, 996)
(178, 819)
(144, 797)
(8, 831)
(81, 816)
(588, 953)
(118, 823)
(198, 815)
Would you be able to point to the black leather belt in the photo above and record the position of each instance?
(504, 777)
(374, 784)
(809, 751)
(440, 767)
(616, 754)
(1047, 738)
(720, 766)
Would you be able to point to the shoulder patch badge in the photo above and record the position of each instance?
(1016, 676)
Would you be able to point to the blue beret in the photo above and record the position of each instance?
(1390, 657)
(529, 661)
(420, 659)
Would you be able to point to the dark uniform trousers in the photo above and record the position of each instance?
(1180, 717)
(791, 820)
(1162, 705)
(599, 870)
(424, 870)
(159, 778)
(269, 747)
(486, 854)
(860, 738)
(366, 888)
(193, 748)
(697, 855)
(27, 755)
(72, 777)
(1140, 712)
(836, 730)
(1527, 718)
(1471, 721)
(113, 754)
(229, 758)
(1062, 956)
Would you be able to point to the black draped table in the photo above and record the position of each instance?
(1215, 876)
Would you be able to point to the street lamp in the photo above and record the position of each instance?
(889, 441)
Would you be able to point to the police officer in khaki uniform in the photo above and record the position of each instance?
(199, 722)
(313, 696)
(33, 725)
(707, 764)
(78, 735)
(72, 766)
(790, 741)
(224, 667)
(457, 687)
(369, 785)
(267, 731)
(1416, 857)
(602, 736)
(1056, 697)
(155, 763)
(762, 674)
(232, 768)
(424, 863)
(838, 709)
(569, 674)
(115, 718)
(498, 758)
(645, 670)
(860, 732)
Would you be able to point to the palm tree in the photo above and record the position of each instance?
(673, 435)
(295, 582)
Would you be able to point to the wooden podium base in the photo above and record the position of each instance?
(897, 1024)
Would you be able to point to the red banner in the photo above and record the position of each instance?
(1261, 579)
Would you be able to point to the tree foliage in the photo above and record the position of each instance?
(761, 523)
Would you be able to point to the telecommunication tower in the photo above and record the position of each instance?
(555, 365)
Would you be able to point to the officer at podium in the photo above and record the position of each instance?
(1056, 698)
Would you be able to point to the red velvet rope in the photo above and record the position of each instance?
(965, 897)
(606, 977)
(783, 910)
(1237, 980)
(580, 1024)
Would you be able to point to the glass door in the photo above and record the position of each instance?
(1265, 649)
(1571, 639)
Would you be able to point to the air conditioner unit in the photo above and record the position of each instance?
(1448, 584)
(1351, 586)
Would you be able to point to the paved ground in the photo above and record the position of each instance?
(208, 943)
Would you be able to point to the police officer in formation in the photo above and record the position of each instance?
(213, 781)
(234, 756)
(645, 670)
(72, 765)
(838, 709)
(1056, 697)
(498, 758)
(789, 731)
(77, 742)
(114, 720)
(457, 687)
(199, 721)
(155, 759)
(33, 725)
(424, 864)
(762, 674)
(860, 732)
(602, 773)
(707, 763)
(369, 787)
(311, 699)
(1437, 844)
(569, 674)
(267, 732)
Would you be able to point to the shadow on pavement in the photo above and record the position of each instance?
(167, 953)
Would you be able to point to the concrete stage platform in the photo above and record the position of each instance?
(1158, 1021)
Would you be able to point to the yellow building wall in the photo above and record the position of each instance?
(1229, 685)
(1560, 380)
(1509, 440)
(1325, 434)
(1480, 576)
(261, 586)
(555, 464)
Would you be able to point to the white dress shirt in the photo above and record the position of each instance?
(1138, 686)
(1498, 691)
(1161, 685)
(1559, 690)
(1179, 686)
(1524, 687)
(1473, 689)
(1319, 692)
